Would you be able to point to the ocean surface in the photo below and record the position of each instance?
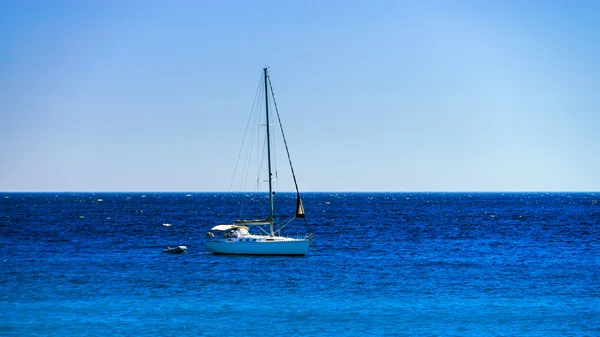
(395, 264)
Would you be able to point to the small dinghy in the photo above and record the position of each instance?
(175, 250)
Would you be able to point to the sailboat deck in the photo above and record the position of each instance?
(258, 238)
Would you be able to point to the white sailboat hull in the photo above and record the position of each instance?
(278, 247)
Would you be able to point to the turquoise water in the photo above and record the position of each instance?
(401, 264)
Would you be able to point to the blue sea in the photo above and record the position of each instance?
(382, 264)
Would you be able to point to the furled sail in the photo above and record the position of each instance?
(267, 221)
(300, 208)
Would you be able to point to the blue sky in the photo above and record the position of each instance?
(374, 95)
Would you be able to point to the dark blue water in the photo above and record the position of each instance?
(402, 264)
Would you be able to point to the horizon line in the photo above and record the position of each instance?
(333, 191)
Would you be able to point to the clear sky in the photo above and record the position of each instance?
(374, 95)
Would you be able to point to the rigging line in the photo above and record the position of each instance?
(248, 158)
(262, 163)
(248, 143)
(259, 136)
(246, 146)
(262, 230)
(283, 136)
(248, 161)
(248, 154)
(285, 143)
(255, 144)
(285, 224)
(275, 168)
(256, 95)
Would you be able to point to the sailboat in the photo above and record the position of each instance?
(236, 238)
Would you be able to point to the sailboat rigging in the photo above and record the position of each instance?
(236, 238)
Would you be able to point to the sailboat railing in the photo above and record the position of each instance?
(307, 236)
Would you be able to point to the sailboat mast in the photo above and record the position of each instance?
(272, 215)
